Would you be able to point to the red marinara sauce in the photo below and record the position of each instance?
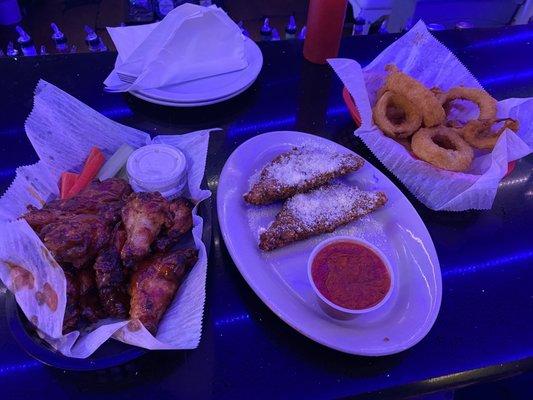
(350, 275)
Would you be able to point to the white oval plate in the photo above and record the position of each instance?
(279, 278)
(212, 89)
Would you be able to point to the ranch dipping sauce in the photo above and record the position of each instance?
(158, 168)
(350, 275)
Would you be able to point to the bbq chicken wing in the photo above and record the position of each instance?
(179, 224)
(77, 239)
(143, 216)
(105, 198)
(154, 284)
(72, 310)
(180, 217)
(90, 308)
(110, 278)
(39, 218)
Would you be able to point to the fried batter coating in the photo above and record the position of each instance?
(299, 170)
(319, 211)
(443, 148)
(425, 101)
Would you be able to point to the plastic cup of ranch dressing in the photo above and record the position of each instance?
(158, 168)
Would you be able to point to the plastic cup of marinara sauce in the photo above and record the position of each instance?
(349, 276)
(158, 168)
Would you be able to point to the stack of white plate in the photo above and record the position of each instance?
(210, 90)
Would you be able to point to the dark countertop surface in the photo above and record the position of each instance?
(484, 329)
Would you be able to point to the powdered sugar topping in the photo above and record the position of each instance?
(304, 163)
(331, 203)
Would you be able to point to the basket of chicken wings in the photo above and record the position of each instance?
(104, 238)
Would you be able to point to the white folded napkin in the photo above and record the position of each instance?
(191, 42)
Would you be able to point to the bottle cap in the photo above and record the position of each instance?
(57, 36)
(24, 39)
(291, 26)
(92, 38)
(435, 27)
(266, 30)
(11, 51)
(302, 33)
(243, 29)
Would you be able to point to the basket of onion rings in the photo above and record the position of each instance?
(431, 123)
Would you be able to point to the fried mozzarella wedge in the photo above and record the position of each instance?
(320, 211)
(298, 171)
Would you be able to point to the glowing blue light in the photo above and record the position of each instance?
(13, 368)
(12, 132)
(233, 319)
(260, 126)
(7, 172)
(496, 262)
(336, 110)
(117, 112)
(511, 76)
(500, 41)
(276, 123)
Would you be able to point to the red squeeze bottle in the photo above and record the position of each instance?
(325, 20)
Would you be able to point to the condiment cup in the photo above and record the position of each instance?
(328, 306)
(158, 168)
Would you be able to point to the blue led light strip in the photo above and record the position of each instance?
(232, 319)
(500, 41)
(9, 369)
(496, 262)
(511, 76)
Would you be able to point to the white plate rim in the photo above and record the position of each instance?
(428, 322)
(161, 95)
(187, 104)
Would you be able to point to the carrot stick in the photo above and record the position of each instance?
(92, 166)
(68, 179)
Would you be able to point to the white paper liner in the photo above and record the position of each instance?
(62, 130)
(420, 55)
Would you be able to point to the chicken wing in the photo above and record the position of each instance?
(104, 198)
(143, 216)
(110, 277)
(90, 308)
(39, 218)
(154, 284)
(72, 310)
(180, 224)
(77, 239)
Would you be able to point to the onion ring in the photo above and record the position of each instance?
(486, 103)
(442, 147)
(404, 129)
(425, 101)
(478, 133)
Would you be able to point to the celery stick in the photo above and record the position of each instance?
(115, 162)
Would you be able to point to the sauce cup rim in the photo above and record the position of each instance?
(329, 303)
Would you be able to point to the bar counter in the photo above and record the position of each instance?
(484, 328)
